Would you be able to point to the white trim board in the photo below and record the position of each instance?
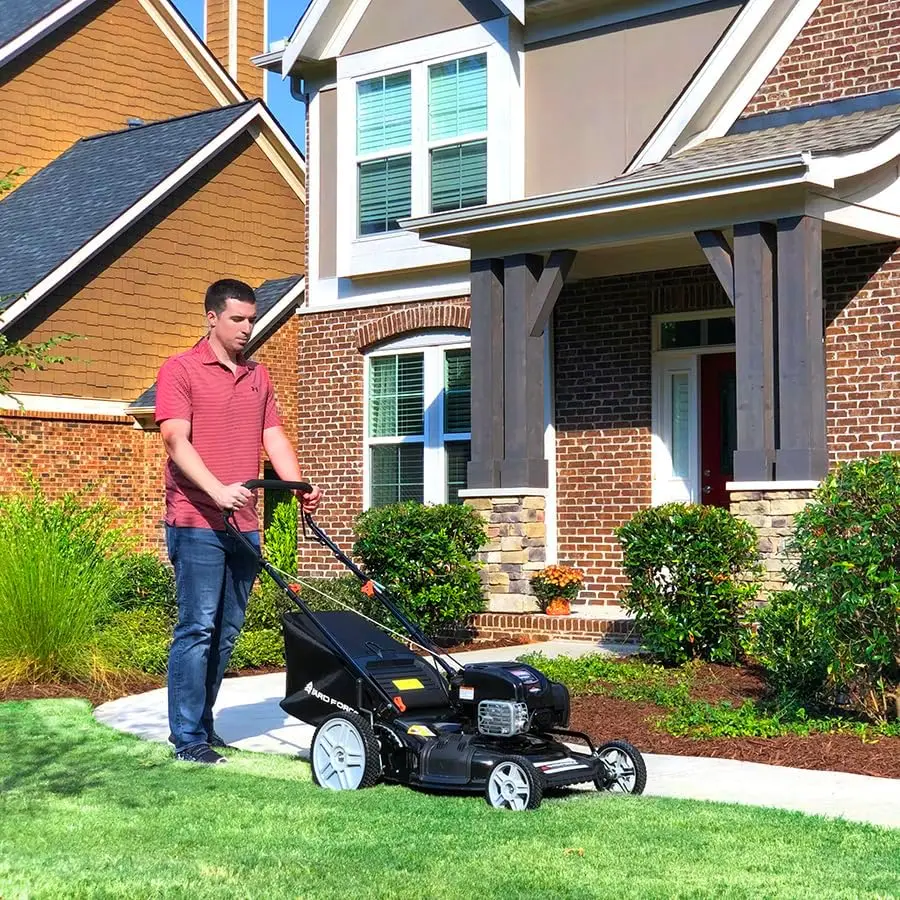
(71, 405)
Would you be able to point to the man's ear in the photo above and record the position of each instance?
(211, 318)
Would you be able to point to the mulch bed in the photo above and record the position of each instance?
(606, 718)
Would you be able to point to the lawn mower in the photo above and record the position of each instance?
(384, 712)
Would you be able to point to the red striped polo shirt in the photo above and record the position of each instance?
(228, 414)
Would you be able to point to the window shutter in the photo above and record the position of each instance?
(457, 392)
(396, 396)
(385, 193)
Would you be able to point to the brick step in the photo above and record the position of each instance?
(494, 626)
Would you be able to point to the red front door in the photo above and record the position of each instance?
(718, 426)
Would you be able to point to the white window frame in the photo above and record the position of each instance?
(432, 345)
(666, 488)
(374, 254)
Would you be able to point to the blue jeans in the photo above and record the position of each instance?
(213, 577)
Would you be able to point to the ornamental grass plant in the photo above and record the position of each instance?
(61, 565)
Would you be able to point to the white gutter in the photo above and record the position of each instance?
(790, 169)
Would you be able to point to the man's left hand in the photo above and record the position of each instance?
(310, 502)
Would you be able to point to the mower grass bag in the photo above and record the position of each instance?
(385, 713)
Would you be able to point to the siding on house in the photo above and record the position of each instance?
(848, 48)
(142, 298)
(388, 22)
(593, 98)
(108, 64)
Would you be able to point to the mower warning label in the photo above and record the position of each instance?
(408, 684)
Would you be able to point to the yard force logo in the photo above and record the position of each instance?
(325, 698)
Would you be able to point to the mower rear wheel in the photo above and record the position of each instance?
(514, 783)
(344, 754)
(626, 771)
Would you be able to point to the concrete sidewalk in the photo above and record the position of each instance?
(248, 716)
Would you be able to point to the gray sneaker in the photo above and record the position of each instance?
(200, 753)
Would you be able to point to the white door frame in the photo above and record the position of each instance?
(666, 486)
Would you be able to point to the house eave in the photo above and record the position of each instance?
(466, 228)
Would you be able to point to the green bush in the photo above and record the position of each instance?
(693, 574)
(61, 565)
(147, 583)
(846, 576)
(424, 556)
(793, 644)
(255, 649)
(138, 639)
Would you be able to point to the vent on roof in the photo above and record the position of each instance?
(134, 122)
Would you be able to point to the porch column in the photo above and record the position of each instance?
(487, 373)
(754, 300)
(802, 448)
(524, 465)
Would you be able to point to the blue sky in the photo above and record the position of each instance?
(283, 15)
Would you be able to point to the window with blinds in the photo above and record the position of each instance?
(384, 152)
(457, 133)
(418, 425)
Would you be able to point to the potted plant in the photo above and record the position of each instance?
(555, 587)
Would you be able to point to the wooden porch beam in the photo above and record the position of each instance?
(548, 288)
(720, 258)
(754, 320)
(802, 447)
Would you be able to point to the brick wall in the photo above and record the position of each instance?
(602, 355)
(89, 76)
(330, 397)
(108, 454)
(847, 48)
(862, 295)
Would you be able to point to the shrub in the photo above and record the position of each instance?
(61, 564)
(424, 555)
(793, 644)
(147, 583)
(846, 575)
(693, 572)
(138, 639)
(255, 649)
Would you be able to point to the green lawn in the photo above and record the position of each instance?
(88, 812)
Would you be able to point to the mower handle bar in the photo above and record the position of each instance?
(274, 484)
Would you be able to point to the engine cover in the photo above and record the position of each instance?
(547, 701)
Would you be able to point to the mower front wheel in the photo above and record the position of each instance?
(625, 771)
(514, 783)
(344, 754)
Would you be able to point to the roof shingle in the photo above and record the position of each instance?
(832, 135)
(17, 16)
(66, 204)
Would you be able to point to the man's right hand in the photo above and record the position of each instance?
(231, 497)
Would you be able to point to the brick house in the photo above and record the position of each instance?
(149, 171)
(656, 242)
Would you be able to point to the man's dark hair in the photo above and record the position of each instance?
(219, 291)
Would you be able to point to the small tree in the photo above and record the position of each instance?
(17, 356)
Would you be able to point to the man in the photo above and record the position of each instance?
(215, 409)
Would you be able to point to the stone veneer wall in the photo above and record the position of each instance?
(517, 535)
(772, 513)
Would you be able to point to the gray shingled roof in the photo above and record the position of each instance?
(267, 296)
(58, 210)
(17, 16)
(836, 134)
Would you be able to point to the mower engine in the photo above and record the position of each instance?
(509, 698)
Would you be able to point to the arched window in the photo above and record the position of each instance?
(418, 418)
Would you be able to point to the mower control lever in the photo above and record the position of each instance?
(274, 484)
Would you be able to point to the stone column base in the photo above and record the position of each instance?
(517, 548)
(771, 511)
